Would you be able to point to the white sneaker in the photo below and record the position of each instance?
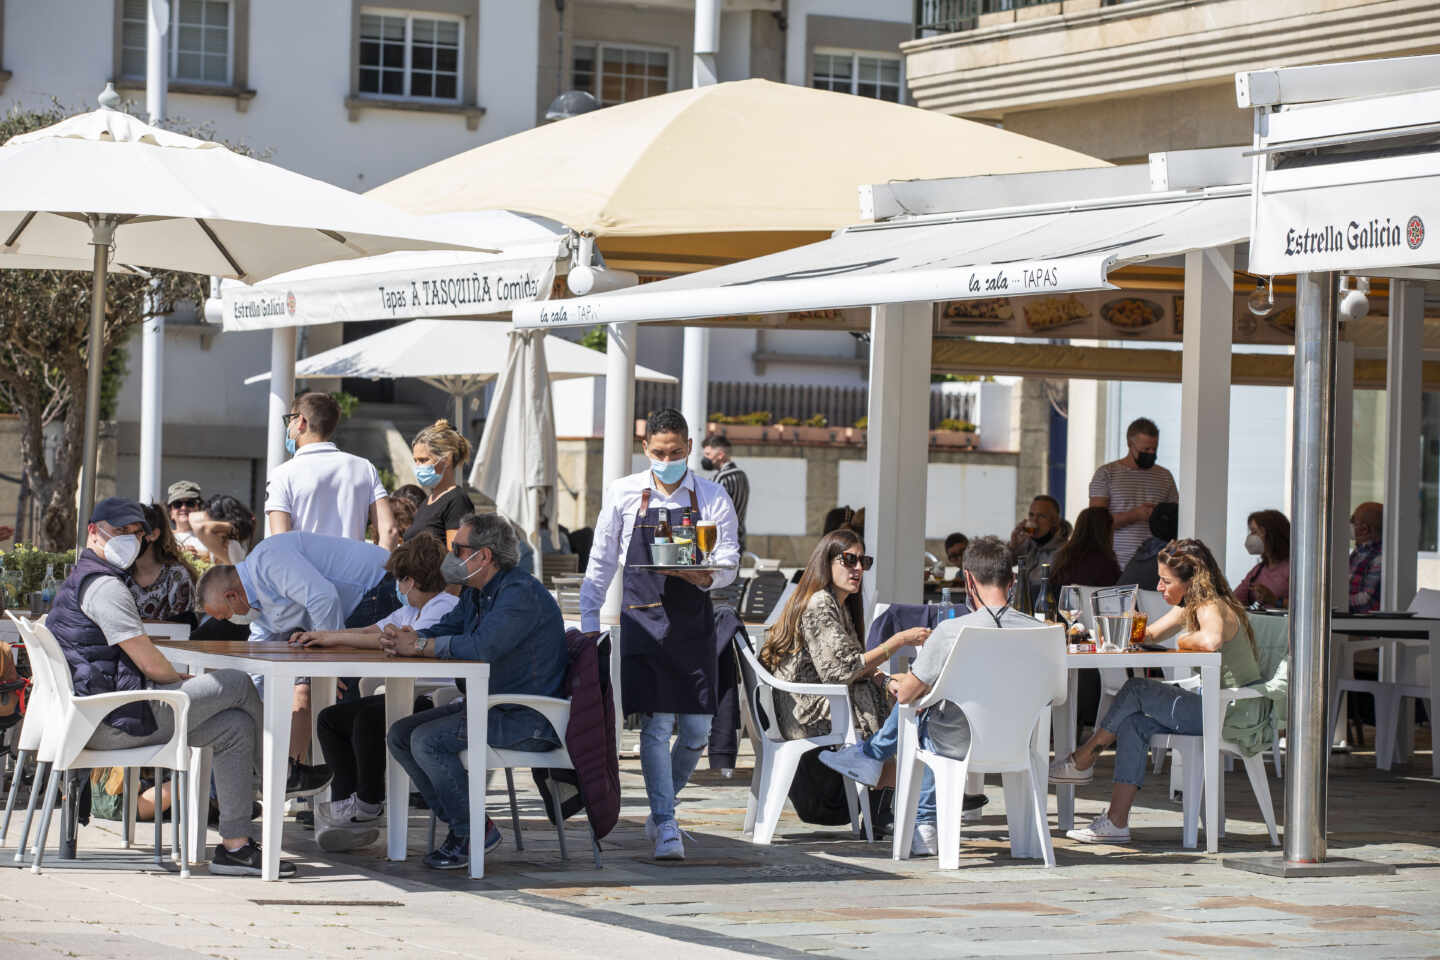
(668, 845)
(850, 761)
(1101, 830)
(1065, 771)
(351, 810)
(926, 842)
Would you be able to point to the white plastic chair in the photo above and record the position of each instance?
(73, 722)
(38, 708)
(777, 758)
(1191, 770)
(557, 711)
(1388, 694)
(1006, 682)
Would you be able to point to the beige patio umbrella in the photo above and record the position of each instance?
(719, 173)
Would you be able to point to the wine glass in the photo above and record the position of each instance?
(1069, 607)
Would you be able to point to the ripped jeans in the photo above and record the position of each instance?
(1142, 708)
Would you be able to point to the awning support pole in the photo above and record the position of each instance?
(1401, 537)
(897, 453)
(102, 233)
(1205, 396)
(282, 394)
(619, 445)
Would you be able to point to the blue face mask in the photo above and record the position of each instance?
(289, 444)
(400, 594)
(668, 471)
(426, 475)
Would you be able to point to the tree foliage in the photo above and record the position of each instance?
(45, 353)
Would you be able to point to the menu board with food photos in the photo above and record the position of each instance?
(1110, 315)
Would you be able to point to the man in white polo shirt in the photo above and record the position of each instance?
(1131, 487)
(322, 489)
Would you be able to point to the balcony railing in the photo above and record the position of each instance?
(936, 17)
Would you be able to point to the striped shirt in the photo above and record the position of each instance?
(733, 479)
(1125, 488)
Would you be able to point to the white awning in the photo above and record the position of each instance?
(411, 284)
(1015, 252)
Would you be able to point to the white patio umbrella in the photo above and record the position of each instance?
(515, 462)
(145, 196)
(456, 356)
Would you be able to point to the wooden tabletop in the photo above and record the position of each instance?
(278, 651)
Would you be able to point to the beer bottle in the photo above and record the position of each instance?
(687, 534)
(662, 530)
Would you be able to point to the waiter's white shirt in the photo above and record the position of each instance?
(617, 522)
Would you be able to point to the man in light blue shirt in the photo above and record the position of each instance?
(295, 582)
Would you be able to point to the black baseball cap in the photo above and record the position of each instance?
(119, 512)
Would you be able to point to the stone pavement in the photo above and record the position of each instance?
(814, 892)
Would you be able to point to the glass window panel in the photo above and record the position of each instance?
(132, 63)
(634, 89)
(217, 13)
(890, 93)
(392, 83)
(612, 88)
(369, 26)
(869, 70)
(447, 59)
(583, 57)
(866, 89)
(394, 28)
(217, 42)
(215, 71)
(422, 58)
(189, 66)
(369, 53)
(659, 58)
(448, 31)
(422, 31)
(614, 58)
(420, 84)
(369, 80)
(134, 10)
(192, 11)
(446, 88)
(393, 55)
(133, 35)
(890, 71)
(190, 38)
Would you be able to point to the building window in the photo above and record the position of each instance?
(410, 55)
(616, 73)
(201, 41)
(864, 74)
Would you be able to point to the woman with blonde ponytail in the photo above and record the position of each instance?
(1209, 619)
(440, 451)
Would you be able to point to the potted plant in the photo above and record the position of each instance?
(745, 428)
(817, 429)
(856, 433)
(955, 433)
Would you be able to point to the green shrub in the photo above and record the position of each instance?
(959, 426)
(862, 423)
(789, 421)
(818, 420)
(31, 562)
(756, 418)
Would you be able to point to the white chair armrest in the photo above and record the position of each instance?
(83, 716)
(554, 709)
(816, 689)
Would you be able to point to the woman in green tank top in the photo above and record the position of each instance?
(1209, 619)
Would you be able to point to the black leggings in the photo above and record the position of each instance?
(352, 737)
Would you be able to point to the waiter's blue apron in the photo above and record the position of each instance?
(667, 629)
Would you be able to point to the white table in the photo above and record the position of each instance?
(1063, 726)
(280, 664)
(1396, 632)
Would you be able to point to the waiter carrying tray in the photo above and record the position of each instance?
(667, 626)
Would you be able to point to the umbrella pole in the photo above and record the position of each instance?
(102, 233)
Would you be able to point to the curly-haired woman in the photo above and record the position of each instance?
(1209, 619)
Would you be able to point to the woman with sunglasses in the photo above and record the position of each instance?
(818, 640)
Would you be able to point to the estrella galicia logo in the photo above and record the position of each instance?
(290, 302)
(1415, 233)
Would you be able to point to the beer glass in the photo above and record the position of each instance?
(705, 536)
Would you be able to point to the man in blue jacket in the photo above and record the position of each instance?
(506, 617)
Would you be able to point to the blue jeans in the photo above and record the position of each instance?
(667, 768)
(884, 743)
(1142, 708)
(428, 746)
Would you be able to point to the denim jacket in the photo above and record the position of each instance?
(514, 624)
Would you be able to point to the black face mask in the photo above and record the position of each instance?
(1144, 460)
(707, 464)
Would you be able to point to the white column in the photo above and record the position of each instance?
(1205, 396)
(152, 335)
(1084, 442)
(695, 377)
(619, 442)
(897, 453)
(1401, 537)
(694, 385)
(282, 394)
(1340, 505)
